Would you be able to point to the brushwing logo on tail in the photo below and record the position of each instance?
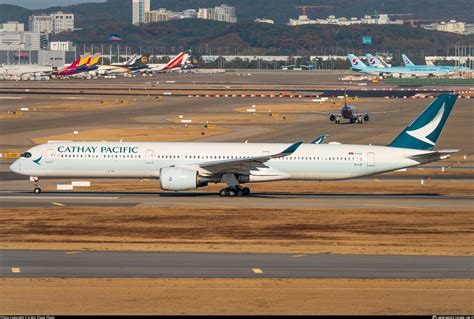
(372, 61)
(354, 61)
(423, 132)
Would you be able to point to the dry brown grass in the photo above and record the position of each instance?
(296, 106)
(85, 104)
(235, 296)
(233, 118)
(169, 133)
(302, 187)
(393, 231)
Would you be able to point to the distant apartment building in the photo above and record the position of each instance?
(343, 21)
(62, 46)
(12, 26)
(23, 40)
(222, 13)
(259, 20)
(469, 28)
(54, 22)
(43, 23)
(143, 14)
(225, 13)
(139, 7)
(451, 26)
(166, 15)
(156, 16)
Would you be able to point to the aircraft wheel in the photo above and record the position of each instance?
(223, 193)
(246, 191)
(240, 193)
(231, 193)
(37, 190)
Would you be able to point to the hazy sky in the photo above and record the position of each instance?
(42, 4)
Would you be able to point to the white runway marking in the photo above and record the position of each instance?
(257, 270)
(58, 204)
(16, 270)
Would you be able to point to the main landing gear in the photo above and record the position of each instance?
(35, 181)
(234, 191)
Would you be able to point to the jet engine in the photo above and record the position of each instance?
(178, 179)
(366, 118)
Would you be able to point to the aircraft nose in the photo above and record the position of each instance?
(16, 167)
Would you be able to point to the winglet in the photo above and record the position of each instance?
(291, 149)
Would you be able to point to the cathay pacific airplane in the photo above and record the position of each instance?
(185, 166)
(418, 71)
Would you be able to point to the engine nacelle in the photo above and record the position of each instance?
(366, 118)
(178, 179)
(332, 118)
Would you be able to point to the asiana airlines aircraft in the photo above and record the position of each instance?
(184, 166)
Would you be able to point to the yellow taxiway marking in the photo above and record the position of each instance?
(16, 270)
(257, 270)
(71, 252)
(296, 256)
(58, 204)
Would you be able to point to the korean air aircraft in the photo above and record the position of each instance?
(374, 61)
(185, 166)
(418, 71)
(452, 69)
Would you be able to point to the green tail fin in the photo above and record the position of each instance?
(424, 131)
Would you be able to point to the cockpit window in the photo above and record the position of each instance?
(26, 155)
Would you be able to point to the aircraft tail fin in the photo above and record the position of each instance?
(94, 59)
(407, 61)
(84, 59)
(424, 131)
(141, 60)
(177, 61)
(75, 63)
(373, 61)
(355, 62)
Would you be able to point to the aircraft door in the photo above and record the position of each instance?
(49, 155)
(370, 159)
(149, 157)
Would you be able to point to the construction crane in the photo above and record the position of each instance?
(304, 8)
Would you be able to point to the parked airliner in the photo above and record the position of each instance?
(184, 166)
(415, 71)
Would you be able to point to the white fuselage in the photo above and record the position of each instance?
(144, 160)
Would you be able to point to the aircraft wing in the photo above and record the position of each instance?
(244, 165)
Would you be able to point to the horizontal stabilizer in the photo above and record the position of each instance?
(441, 154)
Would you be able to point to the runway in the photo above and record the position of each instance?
(125, 264)
(282, 200)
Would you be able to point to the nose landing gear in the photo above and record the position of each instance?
(37, 189)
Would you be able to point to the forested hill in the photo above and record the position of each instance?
(212, 37)
(94, 14)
